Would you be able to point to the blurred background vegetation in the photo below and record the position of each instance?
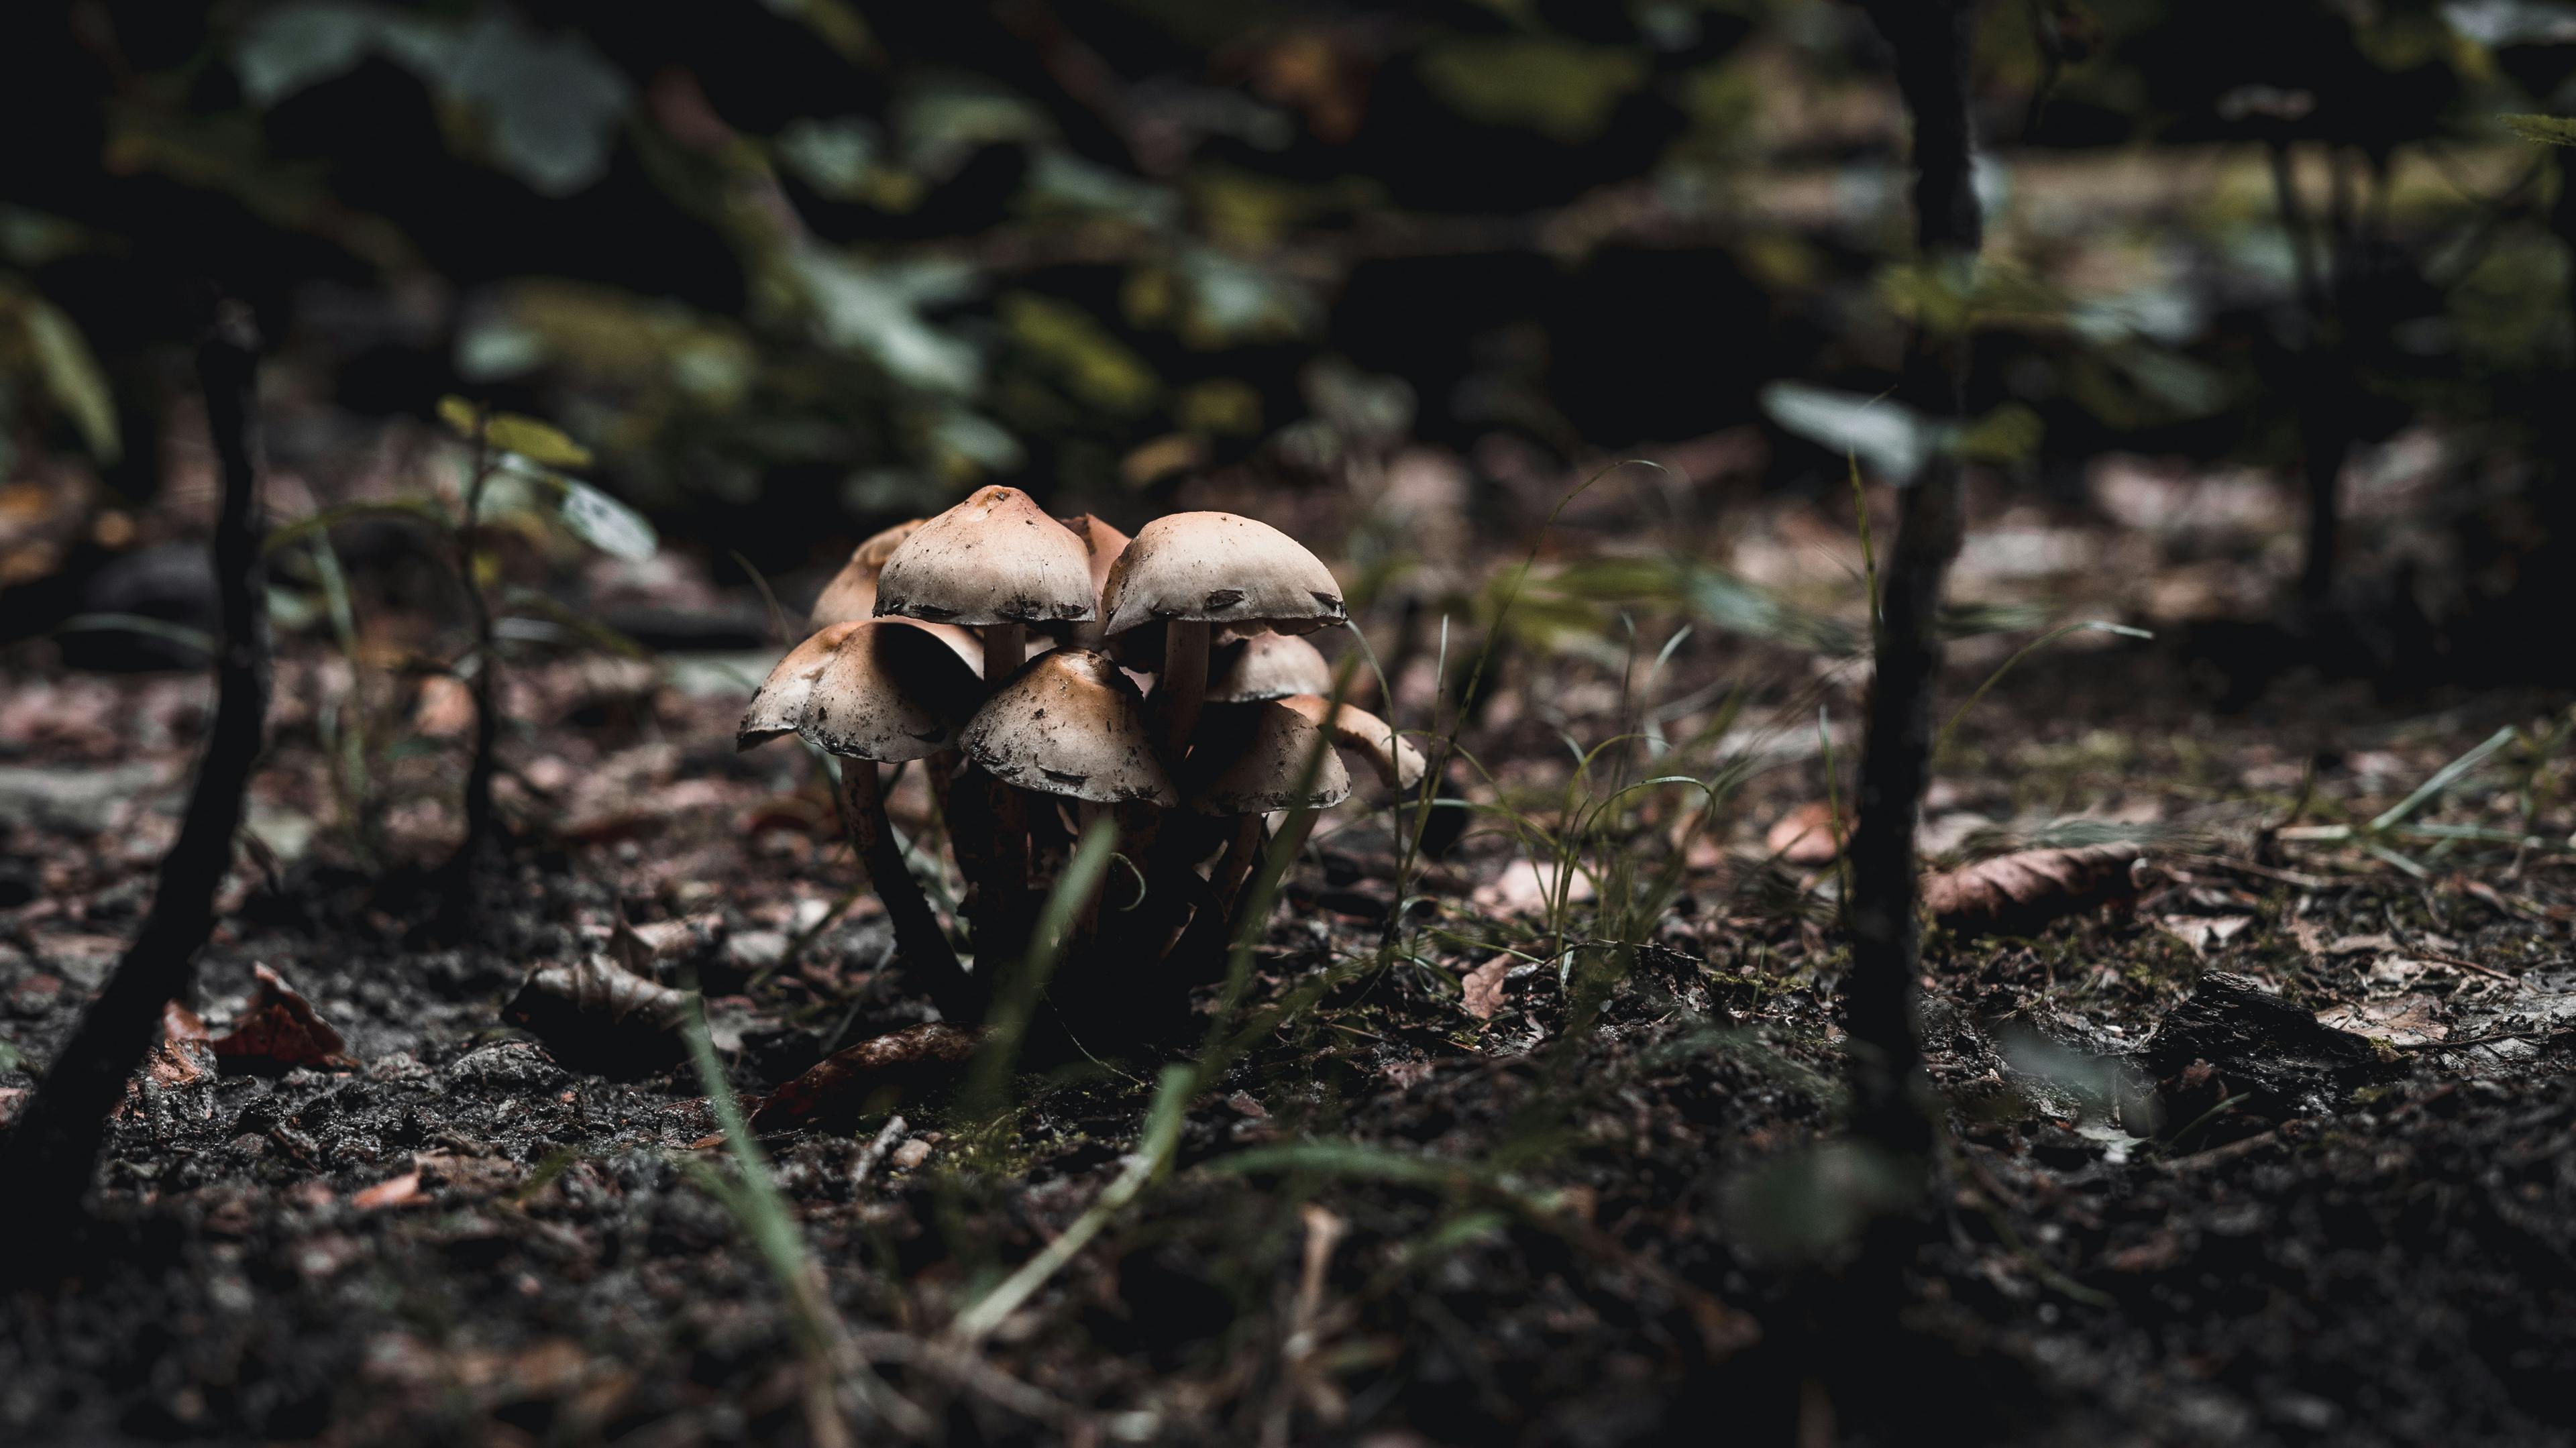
(796, 268)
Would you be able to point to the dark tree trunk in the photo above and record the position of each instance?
(48, 1161)
(1933, 41)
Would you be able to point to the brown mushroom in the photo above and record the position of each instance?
(1393, 756)
(996, 563)
(1266, 666)
(780, 700)
(852, 593)
(1194, 571)
(1246, 761)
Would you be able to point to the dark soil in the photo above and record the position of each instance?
(1550, 1226)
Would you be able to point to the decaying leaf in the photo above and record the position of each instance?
(281, 1032)
(184, 1057)
(1806, 835)
(595, 1014)
(2414, 1019)
(2018, 893)
(838, 1086)
(1483, 988)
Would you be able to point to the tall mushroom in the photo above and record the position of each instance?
(995, 563)
(869, 692)
(852, 593)
(1191, 572)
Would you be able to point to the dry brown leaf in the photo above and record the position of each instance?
(1807, 835)
(2018, 893)
(445, 710)
(401, 1191)
(598, 1015)
(282, 1032)
(1483, 988)
(839, 1085)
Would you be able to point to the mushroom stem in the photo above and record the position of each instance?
(916, 928)
(1293, 834)
(1183, 687)
(1240, 854)
(1005, 645)
(1006, 888)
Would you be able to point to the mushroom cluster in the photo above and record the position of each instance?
(1046, 671)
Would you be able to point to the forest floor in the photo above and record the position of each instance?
(1440, 1201)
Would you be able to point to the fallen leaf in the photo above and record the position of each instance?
(1807, 835)
(839, 1085)
(183, 1058)
(2204, 932)
(446, 708)
(281, 1032)
(2018, 893)
(1483, 988)
(2360, 944)
(2406, 1020)
(399, 1191)
(596, 1014)
(1523, 889)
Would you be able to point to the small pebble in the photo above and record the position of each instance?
(911, 1154)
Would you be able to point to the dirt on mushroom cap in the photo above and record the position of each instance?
(1220, 568)
(995, 558)
(1070, 724)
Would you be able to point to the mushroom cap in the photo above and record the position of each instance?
(1397, 762)
(1068, 723)
(1219, 568)
(852, 593)
(780, 700)
(893, 690)
(1245, 759)
(1102, 542)
(995, 558)
(1266, 666)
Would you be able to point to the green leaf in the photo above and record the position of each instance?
(2547, 130)
(2006, 435)
(541, 443)
(10, 1059)
(72, 376)
(1561, 90)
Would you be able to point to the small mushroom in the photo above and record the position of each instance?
(1266, 666)
(852, 593)
(1249, 760)
(1191, 572)
(1393, 756)
(1070, 725)
(885, 691)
